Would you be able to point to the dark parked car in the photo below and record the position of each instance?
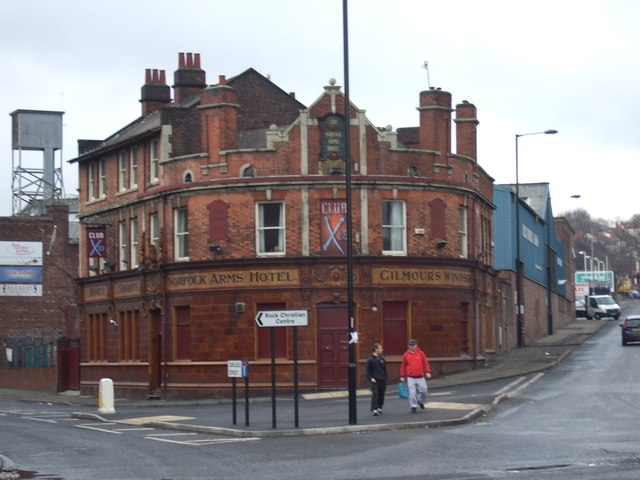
(630, 329)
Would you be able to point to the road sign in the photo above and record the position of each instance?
(283, 318)
(237, 368)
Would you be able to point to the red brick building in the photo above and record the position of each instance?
(39, 339)
(230, 199)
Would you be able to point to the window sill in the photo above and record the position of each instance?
(129, 190)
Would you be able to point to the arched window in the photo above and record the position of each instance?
(247, 171)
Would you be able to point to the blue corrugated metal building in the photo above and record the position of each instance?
(542, 254)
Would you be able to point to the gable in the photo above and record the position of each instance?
(262, 103)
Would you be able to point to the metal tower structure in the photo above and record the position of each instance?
(35, 186)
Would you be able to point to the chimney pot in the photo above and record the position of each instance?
(188, 80)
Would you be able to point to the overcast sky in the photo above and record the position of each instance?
(528, 66)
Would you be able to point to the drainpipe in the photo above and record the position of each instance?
(163, 293)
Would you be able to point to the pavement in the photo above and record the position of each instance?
(453, 399)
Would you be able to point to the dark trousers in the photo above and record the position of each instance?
(377, 394)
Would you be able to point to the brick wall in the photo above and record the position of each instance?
(28, 322)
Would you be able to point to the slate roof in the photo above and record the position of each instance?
(536, 195)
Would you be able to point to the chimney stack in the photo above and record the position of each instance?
(435, 122)
(466, 130)
(219, 111)
(155, 92)
(189, 79)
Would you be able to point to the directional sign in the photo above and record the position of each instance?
(283, 318)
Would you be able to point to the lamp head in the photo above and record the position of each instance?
(550, 132)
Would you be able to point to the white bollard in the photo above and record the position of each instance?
(106, 397)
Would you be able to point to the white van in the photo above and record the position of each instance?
(603, 306)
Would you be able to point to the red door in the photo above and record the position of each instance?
(333, 345)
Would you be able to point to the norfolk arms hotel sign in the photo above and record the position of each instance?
(291, 277)
(219, 279)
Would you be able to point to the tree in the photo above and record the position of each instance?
(618, 246)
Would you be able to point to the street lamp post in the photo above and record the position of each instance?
(550, 257)
(351, 372)
(519, 266)
(584, 259)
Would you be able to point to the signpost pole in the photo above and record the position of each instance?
(273, 378)
(233, 396)
(246, 400)
(236, 369)
(283, 318)
(295, 375)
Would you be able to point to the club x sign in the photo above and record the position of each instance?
(96, 248)
(332, 234)
(96, 242)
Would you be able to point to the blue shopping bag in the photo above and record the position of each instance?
(403, 392)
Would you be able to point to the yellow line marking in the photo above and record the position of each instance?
(440, 394)
(159, 418)
(453, 406)
(337, 394)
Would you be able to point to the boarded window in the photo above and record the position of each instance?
(438, 210)
(129, 335)
(218, 221)
(394, 327)
(183, 333)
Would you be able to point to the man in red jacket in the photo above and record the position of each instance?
(415, 367)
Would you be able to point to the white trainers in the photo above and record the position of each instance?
(374, 413)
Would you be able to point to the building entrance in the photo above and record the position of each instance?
(333, 345)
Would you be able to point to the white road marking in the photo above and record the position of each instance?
(40, 419)
(520, 389)
(198, 443)
(140, 429)
(510, 386)
(91, 427)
